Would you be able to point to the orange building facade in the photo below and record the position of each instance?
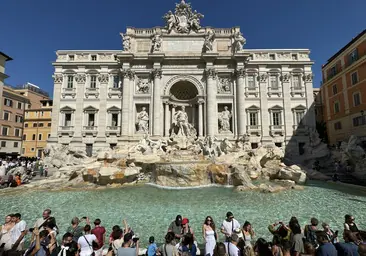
(343, 92)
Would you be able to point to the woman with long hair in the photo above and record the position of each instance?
(5, 233)
(188, 245)
(262, 248)
(248, 233)
(209, 235)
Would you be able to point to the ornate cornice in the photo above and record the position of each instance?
(156, 72)
(210, 73)
(285, 78)
(128, 73)
(263, 78)
(240, 73)
(308, 78)
(80, 78)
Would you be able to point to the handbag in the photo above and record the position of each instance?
(93, 253)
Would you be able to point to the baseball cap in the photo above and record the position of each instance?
(185, 221)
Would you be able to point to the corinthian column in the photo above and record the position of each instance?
(157, 102)
(200, 118)
(126, 73)
(211, 102)
(102, 116)
(240, 91)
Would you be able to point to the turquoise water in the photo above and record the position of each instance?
(149, 210)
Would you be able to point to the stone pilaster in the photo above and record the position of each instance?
(132, 107)
(288, 114)
(265, 115)
(211, 91)
(126, 73)
(310, 114)
(59, 80)
(79, 110)
(103, 80)
(240, 91)
(167, 119)
(157, 74)
(200, 118)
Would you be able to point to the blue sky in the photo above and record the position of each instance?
(31, 31)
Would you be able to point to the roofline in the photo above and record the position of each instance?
(344, 48)
(6, 56)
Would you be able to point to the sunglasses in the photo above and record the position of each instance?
(209, 220)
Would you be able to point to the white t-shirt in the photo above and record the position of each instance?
(230, 226)
(84, 246)
(2, 171)
(17, 230)
(233, 250)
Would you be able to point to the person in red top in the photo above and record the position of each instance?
(99, 232)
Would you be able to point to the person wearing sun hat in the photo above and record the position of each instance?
(229, 225)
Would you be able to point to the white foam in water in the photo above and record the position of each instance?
(149, 209)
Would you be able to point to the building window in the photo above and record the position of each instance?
(335, 89)
(272, 56)
(33, 137)
(49, 124)
(4, 131)
(115, 81)
(16, 144)
(40, 125)
(70, 82)
(354, 78)
(251, 82)
(274, 82)
(18, 119)
(276, 119)
(336, 107)
(278, 144)
(40, 136)
(337, 126)
(16, 132)
(91, 119)
(19, 105)
(26, 125)
(253, 118)
(299, 116)
(71, 57)
(6, 116)
(353, 56)
(115, 57)
(93, 82)
(360, 120)
(24, 136)
(356, 99)
(294, 56)
(67, 119)
(254, 145)
(35, 125)
(333, 71)
(8, 102)
(114, 120)
(42, 113)
(48, 136)
(296, 82)
(32, 149)
(3, 144)
(94, 57)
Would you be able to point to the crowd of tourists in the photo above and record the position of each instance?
(85, 239)
(10, 176)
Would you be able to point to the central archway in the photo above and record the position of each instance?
(184, 90)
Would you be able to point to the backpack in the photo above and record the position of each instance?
(310, 236)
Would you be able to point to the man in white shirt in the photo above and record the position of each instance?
(229, 225)
(231, 247)
(46, 218)
(18, 232)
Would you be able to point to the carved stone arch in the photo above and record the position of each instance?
(297, 70)
(114, 72)
(252, 70)
(92, 72)
(187, 78)
(69, 72)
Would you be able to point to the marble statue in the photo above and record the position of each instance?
(184, 20)
(126, 42)
(156, 43)
(209, 38)
(224, 120)
(181, 121)
(239, 42)
(142, 121)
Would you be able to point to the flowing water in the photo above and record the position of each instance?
(149, 210)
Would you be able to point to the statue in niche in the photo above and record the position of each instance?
(209, 38)
(239, 42)
(126, 42)
(181, 127)
(224, 120)
(156, 43)
(142, 122)
(143, 86)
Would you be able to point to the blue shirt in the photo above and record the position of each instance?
(347, 249)
(326, 249)
(192, 250)
(151, 250)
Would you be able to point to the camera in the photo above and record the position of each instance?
(31, 229)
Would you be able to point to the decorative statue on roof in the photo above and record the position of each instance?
(209, 38)
(239, 42)
(184, 20)
(126, 42)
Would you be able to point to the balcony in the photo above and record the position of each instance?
(275, 90)
(297, 90)
(69, 92)
(276, 130)
(115, 92)
(254, 129)
(90, 130)
(66, 130)
(92, 92)
(251, 91)
(113, 130)
(301, 130)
